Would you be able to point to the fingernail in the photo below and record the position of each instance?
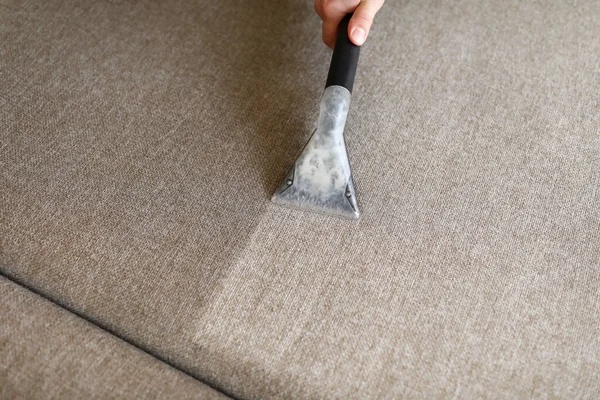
(359, 36)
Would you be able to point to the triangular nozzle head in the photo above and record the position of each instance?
(321, 180)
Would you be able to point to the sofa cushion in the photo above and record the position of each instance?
(50, 353)
(141, 142)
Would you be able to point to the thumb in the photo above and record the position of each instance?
(360, 24)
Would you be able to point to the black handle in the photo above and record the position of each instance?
(345, 58)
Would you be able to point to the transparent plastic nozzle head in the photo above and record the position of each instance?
(320, 180)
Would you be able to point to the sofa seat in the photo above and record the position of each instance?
(140, 142)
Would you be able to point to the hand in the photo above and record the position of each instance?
(332, 12)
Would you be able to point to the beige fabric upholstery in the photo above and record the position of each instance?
(49, 353)
(140, 142)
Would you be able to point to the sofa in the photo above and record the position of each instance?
(140, 256)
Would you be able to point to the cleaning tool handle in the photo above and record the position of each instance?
(344, 60)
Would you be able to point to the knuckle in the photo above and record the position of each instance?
(317, 6)
(328, 7)
(363, 17)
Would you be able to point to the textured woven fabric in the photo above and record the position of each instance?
(140, 142)
(49, 353)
